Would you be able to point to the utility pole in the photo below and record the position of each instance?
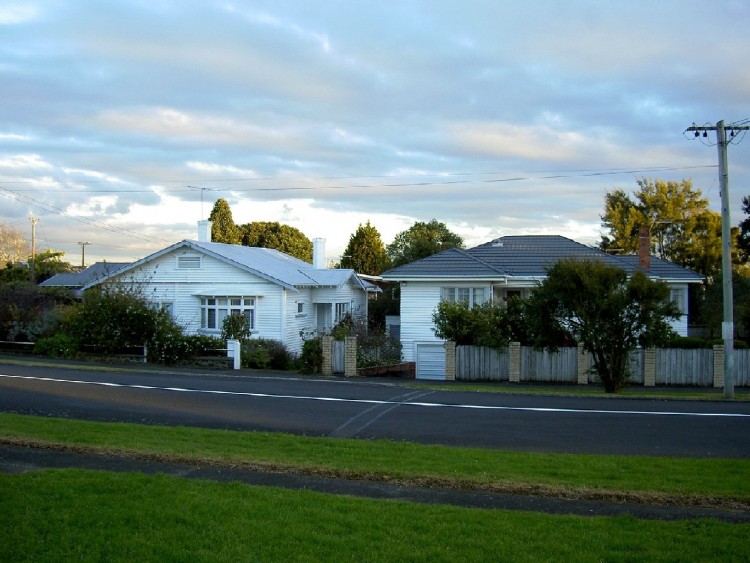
(83, 253)
(727, 327)
(34, 221)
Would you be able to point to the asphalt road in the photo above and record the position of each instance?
(371, 409)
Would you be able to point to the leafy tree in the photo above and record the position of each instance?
(365, 252)
(422, 240)
(682, 228)
(48, 263)
(266, 234)
(223, 228)
(601, 308)
(13, 246)
(743, 240)
(710, 307)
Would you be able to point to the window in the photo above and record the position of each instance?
(469, 296)
(167, 306)
(215, 309)
(678, 296)
(189, 262)
(341, 311)
(300, 308)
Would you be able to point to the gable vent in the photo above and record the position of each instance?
(189, 262)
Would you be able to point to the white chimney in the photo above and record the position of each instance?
(319, 253)
(204, 231)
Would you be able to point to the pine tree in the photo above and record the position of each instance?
(365, 252)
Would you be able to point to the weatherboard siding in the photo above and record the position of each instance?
(418, 302)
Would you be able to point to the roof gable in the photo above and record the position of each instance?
(266, 263)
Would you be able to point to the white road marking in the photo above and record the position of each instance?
(376, 401)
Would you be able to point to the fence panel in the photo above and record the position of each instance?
(742, 368)
(553, 367)
(684, 367)
(474, 363)
(338, 356)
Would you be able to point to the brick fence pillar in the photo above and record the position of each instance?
(582, 369)
(719, 365)
(350, 356)
(514, 362)
(649, 367)
(326, 344)
(450, 360)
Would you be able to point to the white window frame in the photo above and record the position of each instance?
(678, 295)
(215, 308)
(340, 310)
(167, 306)
(471, 296)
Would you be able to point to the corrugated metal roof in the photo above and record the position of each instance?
(267, 263)
(79, 279)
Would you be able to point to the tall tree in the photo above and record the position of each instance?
(365, 252)
(683, 230)
(267, 234)
(223, 228)
(13, 246)
(603, 309)
(422, 240)
(743, 240)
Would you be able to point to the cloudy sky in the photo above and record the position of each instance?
(122, 122)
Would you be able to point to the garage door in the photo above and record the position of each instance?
(430, 360)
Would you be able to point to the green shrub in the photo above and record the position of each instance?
(235, 327)
(311, 359)
(60, 345)
(253, 354)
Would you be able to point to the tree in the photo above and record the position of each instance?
(605, 311)
(422, 240)
(682, 228)
(13, 246)
(223, 228)
(266, 234)
(365, 252)
(48, 263)
(743, 240)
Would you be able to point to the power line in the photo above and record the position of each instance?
(49, 208)
(526, 176)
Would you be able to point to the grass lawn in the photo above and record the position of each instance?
(74, 515)
(681, 480)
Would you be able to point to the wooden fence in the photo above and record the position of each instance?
(671, 366)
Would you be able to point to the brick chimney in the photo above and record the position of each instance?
(644, 248)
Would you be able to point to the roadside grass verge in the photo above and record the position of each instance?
(75, 515)
(592, 390)
(705, 482)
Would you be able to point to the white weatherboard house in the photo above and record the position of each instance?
(202, 282)
(506, 267)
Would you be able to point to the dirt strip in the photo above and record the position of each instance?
(18, 456)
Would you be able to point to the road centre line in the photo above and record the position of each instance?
(374, 401)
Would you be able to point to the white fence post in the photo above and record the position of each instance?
(233, 351)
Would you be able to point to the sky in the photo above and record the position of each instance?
(122, 122)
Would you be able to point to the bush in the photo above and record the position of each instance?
(235, 327)
(311, 359)
(60, 345)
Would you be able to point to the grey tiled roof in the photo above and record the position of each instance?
(524, 257)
